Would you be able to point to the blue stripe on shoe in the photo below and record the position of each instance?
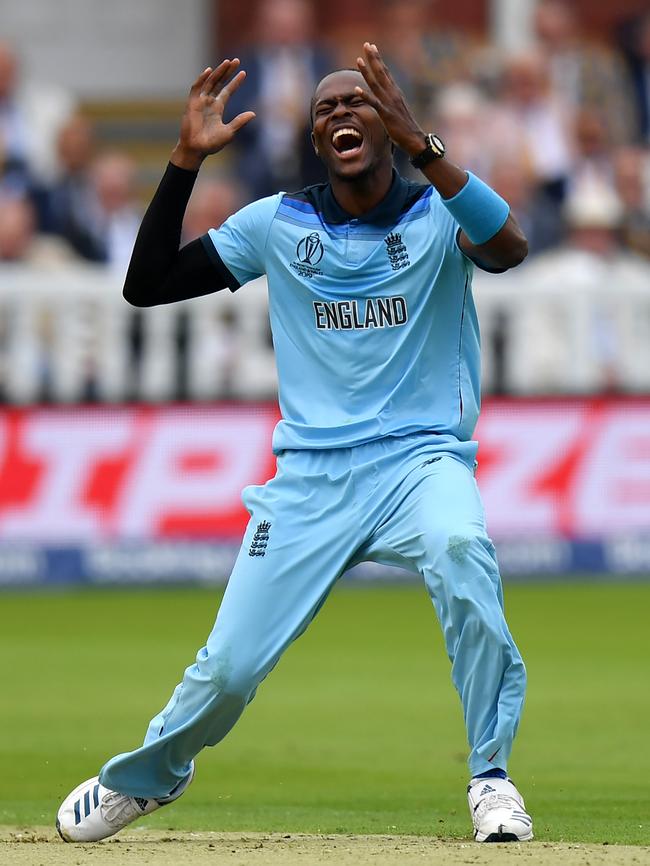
(96, 796)
(77, 814)
(525, 819)
(86, 804)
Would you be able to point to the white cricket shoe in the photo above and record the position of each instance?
(92, 812)
(498, 811)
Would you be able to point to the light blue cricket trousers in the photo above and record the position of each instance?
(410, 501)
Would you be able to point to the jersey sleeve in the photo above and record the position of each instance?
(452, 237)
(240, 243)
(453, 231)
(450, 231)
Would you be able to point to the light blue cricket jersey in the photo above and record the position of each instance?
(373, 322)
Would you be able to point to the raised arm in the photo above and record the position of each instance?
(489, 235)
(159, 272)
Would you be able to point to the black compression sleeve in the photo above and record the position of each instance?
(160, 273)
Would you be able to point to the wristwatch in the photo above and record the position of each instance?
(434, 149)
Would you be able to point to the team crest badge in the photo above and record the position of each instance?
(397, 253)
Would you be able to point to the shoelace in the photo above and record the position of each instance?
(118, 809)
(493, 801)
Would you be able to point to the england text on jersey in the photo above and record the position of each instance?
(356, 314)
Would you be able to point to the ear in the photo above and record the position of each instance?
(313, 144)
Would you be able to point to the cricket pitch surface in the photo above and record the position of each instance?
(41, 846)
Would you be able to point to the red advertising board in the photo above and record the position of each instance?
(570, 468)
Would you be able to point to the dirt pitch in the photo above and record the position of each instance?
(42, 847)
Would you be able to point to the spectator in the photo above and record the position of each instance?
(593, 213)
(72, 209)
(31, 115)
(213, 201)
(592, 158)
(589, 335)
(586, 75)
(532, 122)
(632, 173)
(423, 55)
(461, 116)
(637, 50)
(119, 217)
(94, 205)
(14, 172)
(275, 150)
(538, 215)
(19, 241)
(14, 175)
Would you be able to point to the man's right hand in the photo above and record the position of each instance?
(202, 128)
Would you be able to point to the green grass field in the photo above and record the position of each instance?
(358, 730)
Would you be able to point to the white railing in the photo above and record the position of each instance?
(69, 336)
(567, 323)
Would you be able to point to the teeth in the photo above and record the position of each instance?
(346, 131)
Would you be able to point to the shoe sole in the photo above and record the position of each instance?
(502, 837)
(505, 837)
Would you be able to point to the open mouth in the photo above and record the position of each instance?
(347, 142)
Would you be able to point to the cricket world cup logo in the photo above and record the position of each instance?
(309, 252)
(310, 249)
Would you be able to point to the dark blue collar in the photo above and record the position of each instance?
(399, 198)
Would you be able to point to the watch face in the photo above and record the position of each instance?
(435, 143)
(434, 149)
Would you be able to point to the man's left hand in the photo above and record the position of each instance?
(389, 102)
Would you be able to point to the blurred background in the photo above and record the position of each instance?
(127, 435)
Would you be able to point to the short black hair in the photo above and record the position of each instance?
(318, 84)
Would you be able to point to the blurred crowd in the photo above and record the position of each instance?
(64, 196)
(562, 130)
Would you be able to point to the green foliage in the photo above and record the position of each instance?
(358, 729)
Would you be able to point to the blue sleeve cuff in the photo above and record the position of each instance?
(224, 272)
(478, 210)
